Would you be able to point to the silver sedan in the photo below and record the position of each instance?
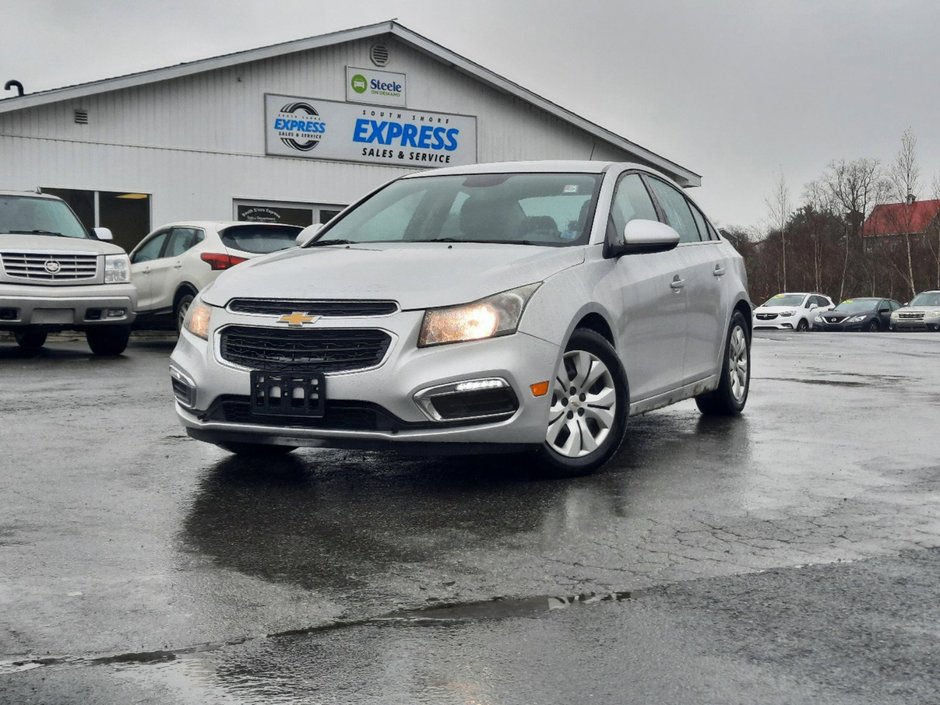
(517, 306)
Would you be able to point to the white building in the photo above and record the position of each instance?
(290, 132)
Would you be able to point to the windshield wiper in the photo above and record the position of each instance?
(323, 243)
(35, 232)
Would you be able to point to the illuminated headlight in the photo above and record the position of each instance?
(857, 319)
(487, 318)
(117, 269)
(198, 318)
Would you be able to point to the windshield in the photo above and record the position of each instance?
(42, 216)
(928, 298)
(530, 209)
(857, 305)
(785, 300)
(260, 239)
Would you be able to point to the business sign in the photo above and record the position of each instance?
(368, 86)
(374, 134)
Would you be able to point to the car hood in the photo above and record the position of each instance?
(415, 275)
(55, 243)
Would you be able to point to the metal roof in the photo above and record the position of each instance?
(682, 175)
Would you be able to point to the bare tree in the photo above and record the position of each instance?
(905, 182)
(854, 188)
(778, 204)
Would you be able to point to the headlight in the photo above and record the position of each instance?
(487, 318)
(117, 269)
(787, 314)
(857, 319)
(819, 318)
(932, 314)
(197, 319)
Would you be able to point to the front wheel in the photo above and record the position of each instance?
(873, 327)
(588, 413)
(30, 340)
(731, 395)
(108, 340)
(802, 326)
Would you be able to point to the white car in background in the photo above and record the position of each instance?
(173, 263)
(791, 311)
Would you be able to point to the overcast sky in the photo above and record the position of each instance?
(737, 91)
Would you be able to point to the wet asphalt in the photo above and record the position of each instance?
(791, 555)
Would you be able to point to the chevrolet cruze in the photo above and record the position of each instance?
(499, 307)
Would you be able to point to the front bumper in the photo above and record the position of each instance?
(778, 323)
(66, 307)
(916, 324)
(375, 407)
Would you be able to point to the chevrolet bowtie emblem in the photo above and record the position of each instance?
(297, 319)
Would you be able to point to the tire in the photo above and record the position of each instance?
(255, 450)
(589, 404)
(30, 340)
(180, 308)
(731, 395)
(802, 326)
(108, 340)
(873, 327)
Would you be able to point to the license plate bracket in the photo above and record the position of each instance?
(288, 394)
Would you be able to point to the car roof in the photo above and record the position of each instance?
(220, 224)
(546, 166)
(31, 194)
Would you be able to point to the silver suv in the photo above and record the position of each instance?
(55, 275)
(516, 306)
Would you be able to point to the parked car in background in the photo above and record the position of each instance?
(524, 306)
(922, 313)
(791, 311)
(174, 262)
(865, 313)
(56, 275)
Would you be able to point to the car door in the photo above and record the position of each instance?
(704, 263)
(166, 272)
(652, 298)
(142, 259)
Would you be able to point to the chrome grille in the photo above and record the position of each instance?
(314, 350)
(49, 267)
(766, 316)
(911, 316)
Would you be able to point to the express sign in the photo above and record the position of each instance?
(326, 129)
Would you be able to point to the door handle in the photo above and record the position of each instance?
(719, 271)
(177, 266)
(677, 283)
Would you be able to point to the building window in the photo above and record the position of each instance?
(126, 214)
(302, 214)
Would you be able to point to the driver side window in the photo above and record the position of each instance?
(151, 249)
(631, 201)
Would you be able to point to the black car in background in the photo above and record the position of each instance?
(868, 314)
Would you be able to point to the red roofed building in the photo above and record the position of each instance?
(893, 219)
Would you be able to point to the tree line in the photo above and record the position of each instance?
(818, 243)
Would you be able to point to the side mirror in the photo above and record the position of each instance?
(643, 237)
(886, 309)
(103, 233)
(307, 234)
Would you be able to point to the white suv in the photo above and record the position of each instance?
(515, 306)
(174, 262)
(791, 311)
(55, 275)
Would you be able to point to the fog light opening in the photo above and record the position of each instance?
(468, 400)
(184, 388)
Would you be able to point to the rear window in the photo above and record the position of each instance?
(259, 239)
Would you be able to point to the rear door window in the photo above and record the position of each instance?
(182, 239)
